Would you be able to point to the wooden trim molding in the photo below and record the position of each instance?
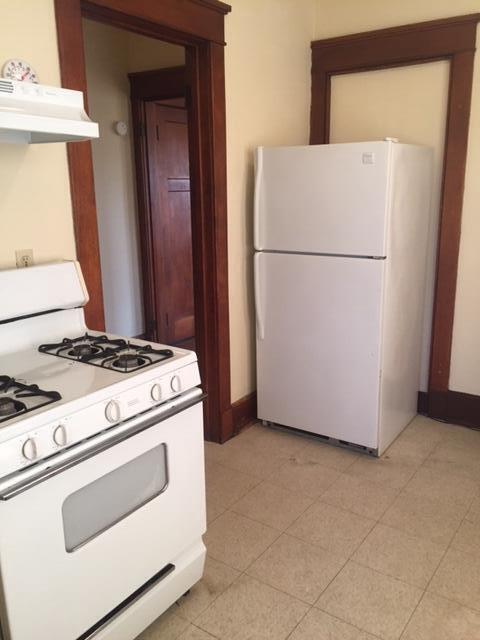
(244, 411)
(199, 26)
(194, 19)
(451, 39)
(451, 406)
(159, 84)
(80, 163)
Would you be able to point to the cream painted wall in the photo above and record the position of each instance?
(267, 68)
(397, 103)
(110, 55)
(145, 54)
(268, 101)
(35, 207)
(335, 18)
(268, 98)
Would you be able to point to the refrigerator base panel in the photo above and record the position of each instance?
(335, 442)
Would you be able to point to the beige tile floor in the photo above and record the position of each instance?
(310, 542)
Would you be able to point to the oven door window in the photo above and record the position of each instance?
(100, 505)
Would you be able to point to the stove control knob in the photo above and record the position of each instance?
(60, 435)
(29, 449)
(156, 392)
(112, 411)
(176, 384)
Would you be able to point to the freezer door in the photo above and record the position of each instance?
(318, 344)
(323, 198)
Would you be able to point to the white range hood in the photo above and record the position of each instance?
(34, 113)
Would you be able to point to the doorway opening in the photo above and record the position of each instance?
(197, 28)
(142, 183)
(160, 121)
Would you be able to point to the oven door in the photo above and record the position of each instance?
(80, 537)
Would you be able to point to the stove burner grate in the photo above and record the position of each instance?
(109, 353)
(128, 361)
(32, 397)
(80, 350)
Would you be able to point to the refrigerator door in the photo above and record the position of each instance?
(330, 199)
(318, 344)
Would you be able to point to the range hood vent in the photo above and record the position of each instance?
(34, 113)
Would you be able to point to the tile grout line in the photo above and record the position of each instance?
(192, 624)
(342, 472)
(447, 548)
(229, 509)
(284, 532)
(424, 591)
(374, 635)
(214, 599)
(244, 573)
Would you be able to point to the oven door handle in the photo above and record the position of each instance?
(21, 481)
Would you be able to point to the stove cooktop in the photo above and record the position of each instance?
(117, 354)
(77, 383)
(17, 397)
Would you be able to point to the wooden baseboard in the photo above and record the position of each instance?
(451, 406)
(422, 403)
(244, 411)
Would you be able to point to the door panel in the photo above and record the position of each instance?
(167, 140)
(318, 362)
(322, 198)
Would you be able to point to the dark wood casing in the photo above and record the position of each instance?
(450, 39)
(199, 26)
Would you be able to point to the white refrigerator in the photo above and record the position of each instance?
(340, 234)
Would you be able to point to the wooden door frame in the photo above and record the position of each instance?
(198, 25)
(146, 86)
(451, 39)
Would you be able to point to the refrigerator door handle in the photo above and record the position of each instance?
(256, 200)
(256, 284)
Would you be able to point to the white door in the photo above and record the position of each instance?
(318, 343)
(322, 199)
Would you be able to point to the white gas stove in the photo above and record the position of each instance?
(101, 467)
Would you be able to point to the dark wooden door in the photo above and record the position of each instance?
(167, 145)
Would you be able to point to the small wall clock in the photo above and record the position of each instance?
(17, 69)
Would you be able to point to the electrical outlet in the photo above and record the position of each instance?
(24, 258)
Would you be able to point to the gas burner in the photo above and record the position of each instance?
(32, 397)
(10, 407)
(83, 349)
(109, 353)
(128, 361)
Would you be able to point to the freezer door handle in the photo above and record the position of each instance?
(256, 284)
(256, 200)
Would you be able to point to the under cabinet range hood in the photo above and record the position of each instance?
(34, 113)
